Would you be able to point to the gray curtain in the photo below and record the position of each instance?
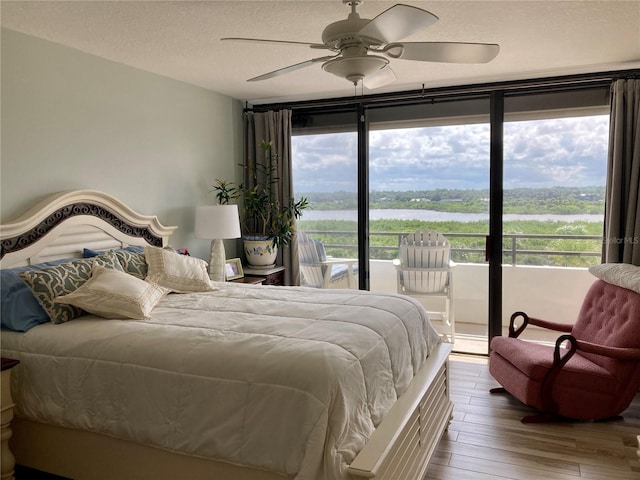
(622, 210)
(275, 127)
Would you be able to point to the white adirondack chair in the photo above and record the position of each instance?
(424, 269)
(316, 270)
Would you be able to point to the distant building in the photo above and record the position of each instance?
(590, 197)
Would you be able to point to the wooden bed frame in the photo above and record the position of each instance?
(60, 227)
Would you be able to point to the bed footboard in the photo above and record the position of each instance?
(401, 447)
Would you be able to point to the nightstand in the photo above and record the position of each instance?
(7, 460)
(272, 276)
(249, 280)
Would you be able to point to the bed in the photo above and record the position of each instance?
(236, 381)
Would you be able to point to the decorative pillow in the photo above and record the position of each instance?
(179, 273)
(621, 274)
(51, 282)
(115, 294)
(89, 253)
(131, 259)
(19, 309)
(133, 263)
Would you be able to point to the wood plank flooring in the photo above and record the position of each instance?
(487, 441)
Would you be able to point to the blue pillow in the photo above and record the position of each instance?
(88, 253)
(19, 309)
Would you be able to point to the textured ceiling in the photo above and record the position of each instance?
(180, 40)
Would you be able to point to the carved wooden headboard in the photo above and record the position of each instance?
(65, 223)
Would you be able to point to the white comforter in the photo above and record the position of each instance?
(286, 379)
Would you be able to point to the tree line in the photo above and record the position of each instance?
(553, 200)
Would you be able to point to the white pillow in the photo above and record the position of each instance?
(621, 274)
(114, 294)
(179, 273)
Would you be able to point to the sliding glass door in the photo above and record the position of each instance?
(475, 168)
(429, 171)
(554, 189)
(325, 171)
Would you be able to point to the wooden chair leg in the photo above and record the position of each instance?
(450, 319)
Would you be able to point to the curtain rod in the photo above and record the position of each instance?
(586, 80)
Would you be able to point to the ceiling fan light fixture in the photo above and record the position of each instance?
(355, 69)
(355, 41)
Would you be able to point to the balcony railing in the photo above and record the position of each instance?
(518, 248)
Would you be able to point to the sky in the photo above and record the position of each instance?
(538, 154)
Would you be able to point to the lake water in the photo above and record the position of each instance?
(432, 215)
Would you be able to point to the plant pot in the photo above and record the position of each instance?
(260, 252)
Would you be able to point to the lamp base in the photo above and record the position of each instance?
(217, 261)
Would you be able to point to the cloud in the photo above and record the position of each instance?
(325, 163)
(564, 151)
(537, 153)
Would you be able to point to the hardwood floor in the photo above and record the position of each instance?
(487, 441)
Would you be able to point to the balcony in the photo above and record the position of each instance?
(553, 292)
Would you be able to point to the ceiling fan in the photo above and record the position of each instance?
(362, 47)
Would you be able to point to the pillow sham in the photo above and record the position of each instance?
(19, 309)
(130, 258)
(179, 273)
(621, 274)
(51, 282)
(112, 293)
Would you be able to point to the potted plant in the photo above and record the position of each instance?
(266, 223)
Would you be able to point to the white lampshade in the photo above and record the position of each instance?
(217, 222)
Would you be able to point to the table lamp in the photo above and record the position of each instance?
(217, 222)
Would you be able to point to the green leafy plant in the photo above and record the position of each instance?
(263, 214)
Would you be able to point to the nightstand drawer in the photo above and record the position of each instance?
(272, 276)
(249, 279)
(276, 278)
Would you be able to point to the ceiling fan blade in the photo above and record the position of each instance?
(397, 22)
(280, 42)
(447, 52)
(290, 68)
(382, 77)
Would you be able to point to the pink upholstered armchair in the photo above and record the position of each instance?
(592, 373)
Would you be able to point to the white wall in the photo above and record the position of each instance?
(71, 120)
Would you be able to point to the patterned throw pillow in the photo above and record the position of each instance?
(20, 310)
(179, 273)
(132, 263)
(111, 293)
(52, 282)
(131, 259)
